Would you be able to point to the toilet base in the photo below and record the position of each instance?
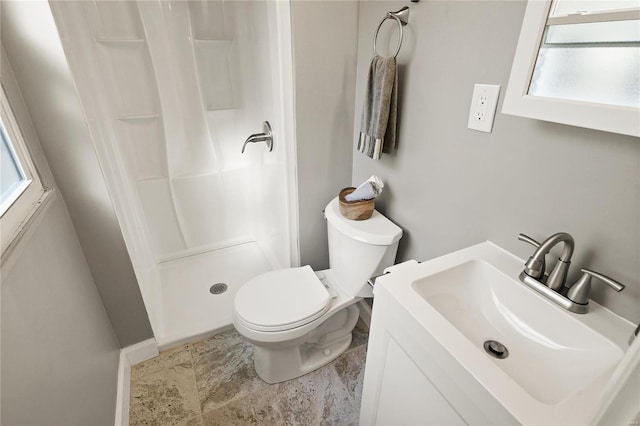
(289, 360)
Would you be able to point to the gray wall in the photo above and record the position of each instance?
(38, 60)
(324, 39)
(449, 187)
(58, 349)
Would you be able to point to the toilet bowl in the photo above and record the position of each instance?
(300, 320)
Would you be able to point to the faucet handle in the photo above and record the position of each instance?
(528, 239)
(266, 137)
(579, 292)
(534, 268)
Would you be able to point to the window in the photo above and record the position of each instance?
(13, 181)
(578, 62)
(20, 186)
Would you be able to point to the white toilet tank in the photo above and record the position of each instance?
(359, 249)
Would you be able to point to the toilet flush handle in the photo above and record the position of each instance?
(372, 281)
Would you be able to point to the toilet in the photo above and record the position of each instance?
(300, 320)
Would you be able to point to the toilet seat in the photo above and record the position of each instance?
(282, 300)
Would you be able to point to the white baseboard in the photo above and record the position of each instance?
(131, 355)
(122, 398)
(365, 312)
(165, 343)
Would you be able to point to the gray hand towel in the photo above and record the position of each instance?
(379, 112)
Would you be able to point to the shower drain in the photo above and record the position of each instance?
(218, 288)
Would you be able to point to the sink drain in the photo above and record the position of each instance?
(218, 288)
(496, 349)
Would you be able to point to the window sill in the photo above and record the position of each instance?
(607, 118)
(31, 218)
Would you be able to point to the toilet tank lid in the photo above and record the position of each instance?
(377, 230)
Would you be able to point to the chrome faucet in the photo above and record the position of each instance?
(535, 265)
(574, 298)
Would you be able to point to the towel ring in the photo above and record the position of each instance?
(402, 18)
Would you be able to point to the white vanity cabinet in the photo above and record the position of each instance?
(410, 379)
(432, 357)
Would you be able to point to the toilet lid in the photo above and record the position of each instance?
(282, 299)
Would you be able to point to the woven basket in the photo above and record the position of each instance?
(355, 210)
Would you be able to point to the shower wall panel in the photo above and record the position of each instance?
(142, 143)
(171, 89)
(171, 78)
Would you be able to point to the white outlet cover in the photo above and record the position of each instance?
(483, 107)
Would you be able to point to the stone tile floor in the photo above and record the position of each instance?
(213, 382)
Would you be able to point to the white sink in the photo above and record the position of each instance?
(559, 362)
(551, 354)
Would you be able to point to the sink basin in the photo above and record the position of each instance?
(559, 363)
(551, 355)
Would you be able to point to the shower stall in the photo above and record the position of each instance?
(171, 90)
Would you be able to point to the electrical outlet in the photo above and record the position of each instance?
(483, 107)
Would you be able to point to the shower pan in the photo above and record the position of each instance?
(171, 90)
